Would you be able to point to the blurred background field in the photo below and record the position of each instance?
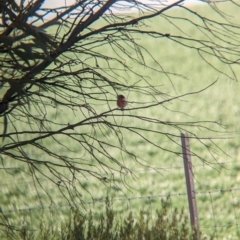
(159, 173)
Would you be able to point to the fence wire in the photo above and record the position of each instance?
(218, 208)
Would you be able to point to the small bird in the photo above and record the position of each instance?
(121, 102)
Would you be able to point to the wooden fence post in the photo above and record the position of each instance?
(190, 182)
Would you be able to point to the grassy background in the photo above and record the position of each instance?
(218, 209)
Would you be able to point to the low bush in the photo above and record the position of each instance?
(165, 224)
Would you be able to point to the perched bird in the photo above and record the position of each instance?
(121, 102)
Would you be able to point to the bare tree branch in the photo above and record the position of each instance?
(61, 72)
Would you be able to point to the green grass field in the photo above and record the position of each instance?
(159, 173)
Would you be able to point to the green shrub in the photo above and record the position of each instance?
(164, 225)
